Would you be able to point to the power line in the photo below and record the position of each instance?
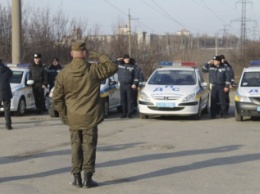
(168, 14)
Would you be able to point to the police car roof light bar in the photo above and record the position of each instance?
(255, 63)
(18, 65)
(177, 64)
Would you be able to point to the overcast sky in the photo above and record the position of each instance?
(161, 16)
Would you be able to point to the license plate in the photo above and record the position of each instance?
(165, 104)
(258, 109)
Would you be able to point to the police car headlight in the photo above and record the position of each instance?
(189, 97)
(242, 98)
(144, 97)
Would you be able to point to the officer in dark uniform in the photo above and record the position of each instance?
(219, 78)
(6, 93)
(128, 78)
(39, 75)
(232, 77)
(53, 71)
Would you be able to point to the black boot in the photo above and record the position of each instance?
(8, 127)
(88, 182)
(77, 180)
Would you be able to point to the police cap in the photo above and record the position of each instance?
(37, 55)
(217, 58)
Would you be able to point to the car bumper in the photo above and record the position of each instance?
(183, 109)
(247, 109)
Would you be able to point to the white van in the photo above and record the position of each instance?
(110, 96)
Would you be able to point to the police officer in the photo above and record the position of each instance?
(53, 70)
(128, 78)
(232, 76)
(6, 93)
(39, 75)
(219, 78)
(77, 99)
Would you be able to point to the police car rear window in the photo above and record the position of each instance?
(17, 77)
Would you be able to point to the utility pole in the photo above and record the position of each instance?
(129, 33)
(16, 31)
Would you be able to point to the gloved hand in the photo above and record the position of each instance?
(94, 55)
(64, 120)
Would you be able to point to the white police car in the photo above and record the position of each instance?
(109, 93)
(174, 89)
(21, 86)
(247, 99)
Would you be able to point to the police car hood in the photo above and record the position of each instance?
(169, 90)
(249, 91)
(16, 87)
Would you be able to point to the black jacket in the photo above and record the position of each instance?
(217, 75)
(52, 73)
(38, 74)
(5, 88)
(128, 73)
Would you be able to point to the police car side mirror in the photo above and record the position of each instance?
(30, 82)
(204, 84)
(142, 83)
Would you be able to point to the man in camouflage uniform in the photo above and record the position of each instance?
(77, 99)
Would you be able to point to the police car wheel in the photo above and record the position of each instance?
(21, 107)
(238, 117)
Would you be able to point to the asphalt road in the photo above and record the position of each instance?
(169, 155)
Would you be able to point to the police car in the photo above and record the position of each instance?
(176, 88)
(247, 99)
(23, 98)
(109, 93)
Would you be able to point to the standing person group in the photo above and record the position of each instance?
(77, 99)
(6, 93)
(219, 78)
(39, 75)
(53, 71)
(128, 78)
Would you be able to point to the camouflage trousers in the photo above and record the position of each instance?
(83, 150)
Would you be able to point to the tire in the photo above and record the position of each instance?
(105, 107)
(143, 116)
(238, 117)
(21, 107)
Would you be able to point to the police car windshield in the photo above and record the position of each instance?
(17, 77)
(251, 79)
(173, 77)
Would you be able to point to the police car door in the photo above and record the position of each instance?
(115, 93)
(204, 96)
(30, 102)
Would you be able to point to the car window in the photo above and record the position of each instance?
(250, 79)
(201, 77)
(173, 77)
(17, 77)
